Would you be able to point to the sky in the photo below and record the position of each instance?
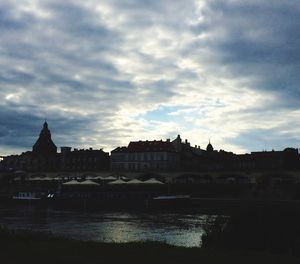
(107, 72)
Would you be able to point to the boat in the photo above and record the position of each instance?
(172, 197)
(31, 196)
(171, 201)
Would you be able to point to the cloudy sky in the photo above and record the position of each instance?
(104, 73)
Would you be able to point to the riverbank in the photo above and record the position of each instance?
(26, 247)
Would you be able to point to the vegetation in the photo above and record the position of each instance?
(264, 228)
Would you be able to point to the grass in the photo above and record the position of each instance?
(27, 247)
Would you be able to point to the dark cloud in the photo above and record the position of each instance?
(256, 40)
(265, 139)
(16, 77)
(21, 129)
(95, 69)
(7, 23)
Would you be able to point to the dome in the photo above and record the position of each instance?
(45, 126)
(209, 147)
(44, 144)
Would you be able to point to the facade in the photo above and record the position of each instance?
(83, 159)
(145, 156)
(176, 155)
(287, 159)
(189, 157)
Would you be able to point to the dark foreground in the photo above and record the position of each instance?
(27, 247)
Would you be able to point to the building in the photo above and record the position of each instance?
(44, 157)
(44, 145)
(176, 155)
(287, 159)
(145, 156)
(156, 155)
(83, 159)
(44, 154)
(190, 158)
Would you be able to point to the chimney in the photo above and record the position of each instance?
(168, 140)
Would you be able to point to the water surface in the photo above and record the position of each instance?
(180, 229)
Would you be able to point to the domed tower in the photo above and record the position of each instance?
(209, 147)
(44, 145)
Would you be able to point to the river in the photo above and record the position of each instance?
(181, 229)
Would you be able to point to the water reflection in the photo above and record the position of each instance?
(180, 229)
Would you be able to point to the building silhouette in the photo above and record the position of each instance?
(83, 159)
(179, 155)
(44, 157)
(144, 156)
(155, 155)
(44, 154)
(44, 145)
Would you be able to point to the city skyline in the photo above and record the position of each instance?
(59, 149)
(158, 155)
(104, 73)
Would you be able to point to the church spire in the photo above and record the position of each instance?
(209, 147)
(44, 144)
(45, 124)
